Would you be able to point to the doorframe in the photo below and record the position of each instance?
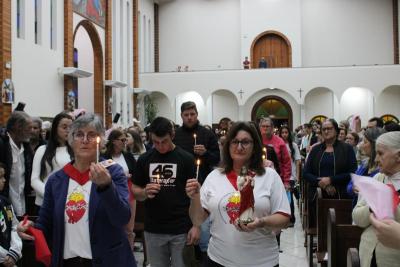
(270, 32)
(273, 97)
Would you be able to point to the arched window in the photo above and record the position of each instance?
(389, 117)
(321, 118)
(275, 107)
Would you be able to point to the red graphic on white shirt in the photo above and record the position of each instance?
(233, 206)
(76, 207)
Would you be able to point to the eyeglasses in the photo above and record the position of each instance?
(123, 140)
(90, 136)
(245, 143)
(327, 129)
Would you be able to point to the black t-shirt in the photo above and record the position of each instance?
(168, 211)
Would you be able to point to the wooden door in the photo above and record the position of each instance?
(274, 48)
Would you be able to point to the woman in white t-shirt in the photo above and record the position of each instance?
(53, 156)
(115, 149)
(234, 243)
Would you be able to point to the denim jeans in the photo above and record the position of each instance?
(165, 250)
(205, 235)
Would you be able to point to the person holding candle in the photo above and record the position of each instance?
(232, 242)
(159, 180)
(85, 206)
(205, 148)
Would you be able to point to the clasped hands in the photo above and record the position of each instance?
(325, 184)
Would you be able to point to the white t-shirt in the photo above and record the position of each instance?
(121, 161)
(60, 159)
(77, 237)
(296, 156)
(230, 247)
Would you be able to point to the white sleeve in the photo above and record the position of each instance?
(205, 192)
(36, 183)
(296, 152)
(15, 250)
(279, 200)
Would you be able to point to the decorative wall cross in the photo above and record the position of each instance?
(241, 92)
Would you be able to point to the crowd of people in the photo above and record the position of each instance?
(82, 183)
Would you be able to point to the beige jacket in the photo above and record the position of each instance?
(385, 257)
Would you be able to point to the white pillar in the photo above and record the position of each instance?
(302, 114)
(241, 113)
(335, 108)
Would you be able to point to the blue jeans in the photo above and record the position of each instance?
(205, 235)
(165, 250)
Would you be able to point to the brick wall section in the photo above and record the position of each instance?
(5, 53)
(108, 59)
(156, 39)
(68, 47)
(396, 31)
(135, 53)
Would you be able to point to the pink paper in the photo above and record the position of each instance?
(378, 195)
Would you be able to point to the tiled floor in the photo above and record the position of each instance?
(292, 246)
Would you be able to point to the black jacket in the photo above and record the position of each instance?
(6, 158)
(345, 163)
(129, 159)
(184, 139)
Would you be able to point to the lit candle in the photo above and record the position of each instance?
(97, 149)
(197, 169)
(195, 137)
(265, 153)
(263, 157)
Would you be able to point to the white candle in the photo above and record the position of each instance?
(158, 179)
(195, 137)
(265, 153)
(97, 149)
(197, 169)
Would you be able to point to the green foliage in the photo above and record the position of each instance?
(150, 109)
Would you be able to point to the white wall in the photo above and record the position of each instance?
(388, 102)
(258, 16)
(224, 104)
(336, 33)
(165, 108)
(146, 36)
(83, 44)
(319, 102)
(34, 67)
(201, 34)
(357, 101)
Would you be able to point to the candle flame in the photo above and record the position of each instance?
(98, 139)
(263, 157)
(194, 135)
(198, 162)
(264, 149)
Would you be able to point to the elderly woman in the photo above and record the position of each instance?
(328, 166)
(372, 251)
(85, 207)
(235, 242)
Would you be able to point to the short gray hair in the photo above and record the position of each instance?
(390, 140)
(38, 121)
(267, 119)
(17, 119)
(89, 119)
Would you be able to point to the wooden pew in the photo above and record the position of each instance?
(139, 229)
(310, 231)
(341, 237)
(343, 209)
(353, 258)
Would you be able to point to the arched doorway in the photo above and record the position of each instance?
(98, 94)
(275, 107)
(274, 47)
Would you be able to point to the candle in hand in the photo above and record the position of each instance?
(195, 137)
(158, 179)
(97, 149)
(265, 153)
(197, 169)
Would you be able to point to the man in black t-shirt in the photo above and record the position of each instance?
(160, 180)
